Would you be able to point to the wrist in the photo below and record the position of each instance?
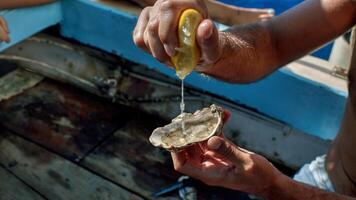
(278, 185)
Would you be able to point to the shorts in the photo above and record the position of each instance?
(315, 174)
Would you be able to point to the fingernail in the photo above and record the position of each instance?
(209, 31)
(169, 50)
(208, 35)
(214, 143)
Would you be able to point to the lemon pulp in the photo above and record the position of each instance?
(188, 55)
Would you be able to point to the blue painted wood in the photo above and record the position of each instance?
(308, 106)
(280, 6)
(25, 22)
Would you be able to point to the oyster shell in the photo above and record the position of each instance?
(199, 127)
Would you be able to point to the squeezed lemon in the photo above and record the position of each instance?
(187, 54)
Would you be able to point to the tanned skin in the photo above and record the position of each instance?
(227, 14)
(4, 4)
(4, 30)
(247, 54)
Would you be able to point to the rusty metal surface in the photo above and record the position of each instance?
(62, 118)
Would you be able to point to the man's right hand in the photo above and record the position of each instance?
(4, 31)
(156, 31)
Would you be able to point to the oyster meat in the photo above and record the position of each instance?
(198, 127)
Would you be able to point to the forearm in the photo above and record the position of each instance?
(144, 3)
(248, 54)
(22, 3)
(233, 15)
(256, 50)
(220, 12)
(286, 188)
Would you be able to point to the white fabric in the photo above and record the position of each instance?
(315, 174)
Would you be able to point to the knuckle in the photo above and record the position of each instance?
(152, 26)
(160, 55)
(167, 6)
(146, 40)
(165, 38)
(227, 152)
(139, 42)
(146, 10)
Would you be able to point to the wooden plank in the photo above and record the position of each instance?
(130, 160)
(53, 176)
(311, 107)
(318, 70)
(155, 93)
(12, 188)
(61, 118)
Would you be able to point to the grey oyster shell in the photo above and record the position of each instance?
(199, 127)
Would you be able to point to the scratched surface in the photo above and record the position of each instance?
(13, 188)
(103, 147)
(63, 119)
(128, 158)
(52, 176)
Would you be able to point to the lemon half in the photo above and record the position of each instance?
(187, 54)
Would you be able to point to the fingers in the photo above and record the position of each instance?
(138, 34)
(3, 24)
(4, 30)
(156, 29)
(179, 159)
(223, 149)
(154, 42)
(226, 116)
(208, 40)
(170, 12)
(182, 163)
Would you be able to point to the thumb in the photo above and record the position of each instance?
(208, 40)
(225, 150)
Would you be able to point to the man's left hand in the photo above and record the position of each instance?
(219, 162)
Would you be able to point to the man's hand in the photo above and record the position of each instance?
(221, 163)
(4, 31)
(156, 30)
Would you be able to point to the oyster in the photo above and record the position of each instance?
(198, 127)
